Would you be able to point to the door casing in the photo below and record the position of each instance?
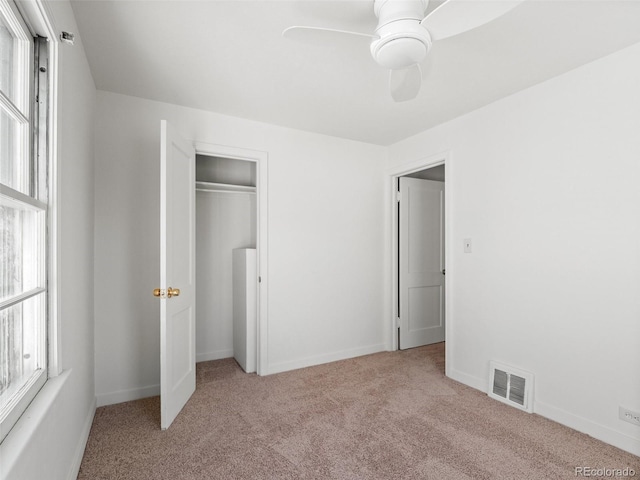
(261, 161)
(392, 175)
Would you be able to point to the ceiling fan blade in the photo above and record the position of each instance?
(405, 84)
(458, 16)
(319, 35)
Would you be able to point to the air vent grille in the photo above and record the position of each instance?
(511, 386)
(516, 390)
(500, 383)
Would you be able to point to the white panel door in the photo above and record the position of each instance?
(421, 276)
(177, 274)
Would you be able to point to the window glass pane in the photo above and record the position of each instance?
(13, 159)
(23, 242)
(7, 44)
(21, 350)
(21, 252)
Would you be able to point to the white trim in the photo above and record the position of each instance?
(262, 248)
(19, 402)
(21, 200)
(12, 110)
(215, 355)
(30, 392)
(38, 17)
(21, 31)
(469, 380)
(26, 427)
(127, 395)
(41, 19)
(325, 358)
(10, 302)
(15, 21)
(74, 468)
(392, 175)
(568, 419)
(593, 429)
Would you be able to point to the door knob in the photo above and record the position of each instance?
(170, 292)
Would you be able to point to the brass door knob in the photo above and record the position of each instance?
(170, 292)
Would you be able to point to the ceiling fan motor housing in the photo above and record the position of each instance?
(401, 41)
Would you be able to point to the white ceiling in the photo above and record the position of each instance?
(228, 56)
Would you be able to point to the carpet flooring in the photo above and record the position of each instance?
(391, 415)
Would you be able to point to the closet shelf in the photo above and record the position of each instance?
(223, 187)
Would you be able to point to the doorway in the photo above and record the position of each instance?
(421, 262)
(225, 222)
(431, 297)
(231, 214)
(177, 260)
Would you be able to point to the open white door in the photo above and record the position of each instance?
(421, 276)
(177, 274)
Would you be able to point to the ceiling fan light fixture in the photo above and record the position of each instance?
(400, 53)
(400, 44)
(403, 36)
(391, 10)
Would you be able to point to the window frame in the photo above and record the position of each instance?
(28, 19)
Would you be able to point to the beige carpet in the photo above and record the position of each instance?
(385, 416)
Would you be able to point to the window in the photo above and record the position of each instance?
(23, 219)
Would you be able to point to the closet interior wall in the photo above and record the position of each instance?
(225, 220)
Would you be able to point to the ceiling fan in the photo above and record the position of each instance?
(404, 35)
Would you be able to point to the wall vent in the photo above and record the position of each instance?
(511, 386)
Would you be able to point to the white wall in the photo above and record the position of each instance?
(546, 184)
(325, 238)
(224, 221)
(48, 441)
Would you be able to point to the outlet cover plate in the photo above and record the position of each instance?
(629, 416)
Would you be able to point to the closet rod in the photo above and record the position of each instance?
(222, 191)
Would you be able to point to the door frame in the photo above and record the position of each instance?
(393, 174)
(261, 160)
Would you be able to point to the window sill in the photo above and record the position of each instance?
(18, 439)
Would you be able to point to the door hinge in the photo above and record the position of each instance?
(259, 279)
(397, 322)
(398, 196)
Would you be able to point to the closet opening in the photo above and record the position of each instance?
(226, 260)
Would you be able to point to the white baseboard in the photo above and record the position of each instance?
(215, 355)
(593, 429)
(469, 380)
(127, 395)
(120, 396)
(320, 359)
(82, 442)
(154, 390)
